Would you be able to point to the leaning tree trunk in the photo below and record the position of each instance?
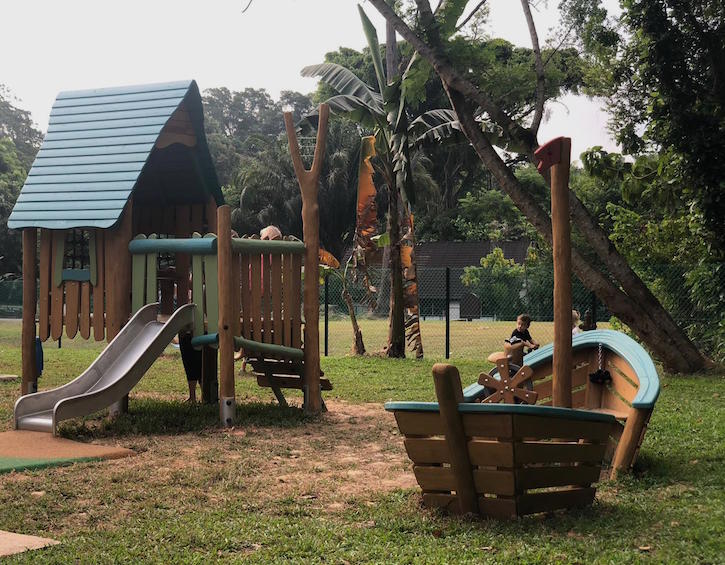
(643, 313)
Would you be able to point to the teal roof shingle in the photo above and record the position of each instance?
(97, 146)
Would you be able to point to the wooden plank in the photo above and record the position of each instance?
(118, 274)
(630, 440)
(46, 242)
(276, 296)
(443, 501)
(431, 478)
(213, 286)
(197, 297)
(532, 503)
(556, 452)
(287, 299)
(244, 280)
(489, 481)
(72, 307)
(56, 291)
(28, 361)
(541, 427)
(621, 384)
(419, 423)
(85, 315)
(288, 381)
(138, 280)
(579, 377)
(152, 291)
(427, 450)
(183, 260)
(197, 218)
(236, 296)
(613, 361)
(266, 300)
(612, 401)
(296, 302)
(541, 477)
(491, 453)
(497, 507)
(210, 210)
(256, 296)
(99, 316)
(487, 425)
(167, 226)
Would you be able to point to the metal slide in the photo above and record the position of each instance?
(110, 377)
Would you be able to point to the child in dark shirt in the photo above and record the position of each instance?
(521, 333)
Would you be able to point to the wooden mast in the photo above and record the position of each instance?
(557, 155)
(308, 181)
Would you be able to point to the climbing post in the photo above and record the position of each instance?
(308, 181)
(226, 316)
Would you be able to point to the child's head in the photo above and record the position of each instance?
(574, 318)
(523, 322)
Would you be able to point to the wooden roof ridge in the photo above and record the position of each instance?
(98, 143)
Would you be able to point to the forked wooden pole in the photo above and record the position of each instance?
(557, 155)
(308, 181)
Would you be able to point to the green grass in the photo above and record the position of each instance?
(199, 494)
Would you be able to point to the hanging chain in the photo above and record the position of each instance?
(599, 356)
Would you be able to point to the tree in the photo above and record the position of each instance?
(18, 126)
(620, 288)
(12, 177)
(661, 66)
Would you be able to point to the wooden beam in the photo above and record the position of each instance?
(226, 315)
(30, 370)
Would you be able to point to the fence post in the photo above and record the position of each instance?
(327, 321)
(448, 312)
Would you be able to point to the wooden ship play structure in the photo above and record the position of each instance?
(116, 202)
(534, 438)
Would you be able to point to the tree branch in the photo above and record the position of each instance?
(469, 16)
(448, 74)
(540, 77)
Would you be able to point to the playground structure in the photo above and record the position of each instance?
(567, 408)
(116, 165)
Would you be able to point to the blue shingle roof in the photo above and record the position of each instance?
(97, 145)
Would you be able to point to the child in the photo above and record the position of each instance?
(521, 333)
(575, 323)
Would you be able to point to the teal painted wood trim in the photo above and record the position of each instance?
(521, 409)
(110, 115)
(195, 246)
(620, 344)
(269, 348)
(83, 126)
(82, 102)
(80, 187)
(140, 89)
(47, 162)
(59, 251)
(75, 112)
(197, 291)
(82, 177)
(206, 339)
(211, 278)
(473, 392)
(129, 139)
(98, 151)
(76, 196)
(72, 205)
(62, 224)
(42, 170)
(243, 245)
(92, 256)
(70, 215)
(81, 275)
(103, 133)
(138, 279)
(152, 294)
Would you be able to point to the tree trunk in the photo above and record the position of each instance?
(396, 328)
(358, 347)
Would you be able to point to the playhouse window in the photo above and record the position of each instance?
(77, 255)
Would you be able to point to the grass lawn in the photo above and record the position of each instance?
(281, 487)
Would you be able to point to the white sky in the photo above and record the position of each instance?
(54, 45)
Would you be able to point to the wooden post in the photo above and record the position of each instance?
(629, 442)
(30, 369)
(448, 390)
(226, 316)
(308, 181)
(118, 273)
(557, 155)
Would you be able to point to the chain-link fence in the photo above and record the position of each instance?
(482, 307)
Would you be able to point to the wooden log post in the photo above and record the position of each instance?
(629, 442)
(557, 155)
(308, 181)
(448, 390)
(226, 316)
(30, 369)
